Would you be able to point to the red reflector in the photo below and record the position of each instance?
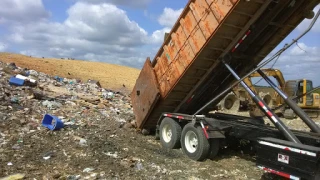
(269, 114)
(261, 104)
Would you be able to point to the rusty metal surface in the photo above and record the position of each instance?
(252, 51)
(145, 93)
(195, 27)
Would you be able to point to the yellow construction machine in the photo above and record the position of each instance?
(239, 100)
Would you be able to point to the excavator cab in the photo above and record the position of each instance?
(309, 102)
(304, 86)
(309, 97)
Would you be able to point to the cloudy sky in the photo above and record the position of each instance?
(119, 31)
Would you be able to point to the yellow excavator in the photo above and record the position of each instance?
(238, 99)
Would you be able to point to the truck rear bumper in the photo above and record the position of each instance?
(288, 159)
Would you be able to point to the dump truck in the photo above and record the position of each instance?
(211, 48)
(239, 99)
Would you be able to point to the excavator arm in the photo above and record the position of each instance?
(276, 73)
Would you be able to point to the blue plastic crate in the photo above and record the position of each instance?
(52, 122)
(16, 81)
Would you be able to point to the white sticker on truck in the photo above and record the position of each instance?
(283, 158)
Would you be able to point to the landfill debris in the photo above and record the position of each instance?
(94, 82)
(52, 122)
(87, 170)
(114, 155)
(83, 142)
(73, 177)
(48, 155)
(51, 104)
(99, 133)
(80, 106)
(13, 177)
(139, 166)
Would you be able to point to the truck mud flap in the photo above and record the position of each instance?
(145, 94)
(287, 159)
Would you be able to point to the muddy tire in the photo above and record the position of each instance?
(214, 148)
(267, 99)
(289, 114)
(230, 103)
(170, 133)
(194, 143)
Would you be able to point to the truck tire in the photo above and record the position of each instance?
(170, 133)
(268, 100)
(194, 143)
(230, 103)
(289, 114)
(214, 148)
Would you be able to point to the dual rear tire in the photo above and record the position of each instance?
(170, 133)
(191, 139)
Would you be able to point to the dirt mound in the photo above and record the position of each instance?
(110, 76)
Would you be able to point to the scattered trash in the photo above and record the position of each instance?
(57, 78)
(13, 177)
(51, 104)
(108, 95)
(139, 166)
(83, 142)
(33, 73)
(87, 170)
(97, 83)
(114, 155)
(25, 108)
(14, 100)
(16, 147)
(48, 155)
(74, 177)
(16, 81)
(52, 122)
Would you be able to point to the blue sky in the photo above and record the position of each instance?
(121, 32)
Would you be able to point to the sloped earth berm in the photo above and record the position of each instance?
(99, 140)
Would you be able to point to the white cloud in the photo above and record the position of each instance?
(157, 36)
(94, 30)
(99, 32)
(301, 49)
(300, 61)
(3, 47)
(22, 11)
(130, 3)
(169, 17)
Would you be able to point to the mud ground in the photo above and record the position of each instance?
(111, 152)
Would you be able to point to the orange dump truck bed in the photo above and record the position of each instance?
(187, 70)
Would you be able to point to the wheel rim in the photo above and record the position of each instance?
(166, 133)
(191, 141)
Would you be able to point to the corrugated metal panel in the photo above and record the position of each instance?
(195, 27)
(186, 66)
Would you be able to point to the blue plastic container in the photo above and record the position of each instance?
(16, 81)
(52, 122)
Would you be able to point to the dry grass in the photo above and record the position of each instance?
(110, 76)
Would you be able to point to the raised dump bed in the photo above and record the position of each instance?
(187, 70)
